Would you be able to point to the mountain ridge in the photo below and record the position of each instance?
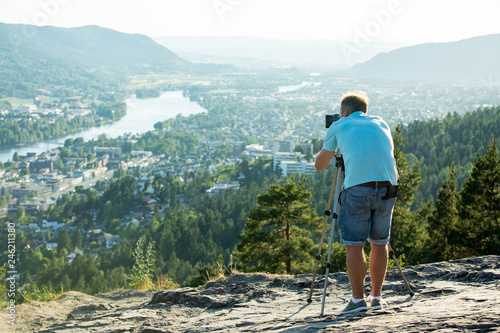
(89, 58)
(91, 47)
(472, 58)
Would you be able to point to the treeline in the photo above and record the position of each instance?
(147, 93)
(112, 112)
(455, 139)
(27, 129)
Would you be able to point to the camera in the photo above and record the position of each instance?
(330, 119)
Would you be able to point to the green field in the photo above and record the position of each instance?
(14, 101)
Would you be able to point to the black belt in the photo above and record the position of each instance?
(383, 184)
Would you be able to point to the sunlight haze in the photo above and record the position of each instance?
(408, 22)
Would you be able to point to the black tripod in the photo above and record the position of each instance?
(338, 181)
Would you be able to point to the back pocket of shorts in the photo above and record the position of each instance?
(387, 207)
(357, 206)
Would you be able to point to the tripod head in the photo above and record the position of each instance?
(339, 162)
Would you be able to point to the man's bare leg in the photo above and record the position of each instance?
(356, 269)
(378, 267)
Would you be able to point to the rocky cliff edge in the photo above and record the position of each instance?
(455, 296)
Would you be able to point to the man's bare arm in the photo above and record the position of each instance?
(323, 159)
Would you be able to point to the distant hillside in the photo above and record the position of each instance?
(469, 59)
(315, 53)
(91, 47)
(33, 57)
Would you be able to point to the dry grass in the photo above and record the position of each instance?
(222, 272)
(163, 282)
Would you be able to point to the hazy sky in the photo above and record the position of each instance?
(406, 21)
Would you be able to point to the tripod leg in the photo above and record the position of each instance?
(391, 251)
(327, 214)
(334, 220)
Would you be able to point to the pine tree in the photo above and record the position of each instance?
(63, 241)
(443, 223)
(480, 204)
(278, 233)
(76, 239)
(65, 283)
(408, 236)
(80, 284)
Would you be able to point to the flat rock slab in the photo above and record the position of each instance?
(455, 296)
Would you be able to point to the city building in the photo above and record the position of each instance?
(281, 156)
(283, 146)
(257, 151)
(30, 190)
(41, 164)
(292, 167)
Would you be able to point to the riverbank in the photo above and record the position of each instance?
(141, 116)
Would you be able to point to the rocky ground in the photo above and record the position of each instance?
(456, 296)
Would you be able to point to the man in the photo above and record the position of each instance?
(365, 143)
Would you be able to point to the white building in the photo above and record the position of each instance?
(291, 167)
(280, 157)
(51, 246)
(54, 226)
(256, 151)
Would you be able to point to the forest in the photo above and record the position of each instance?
(437, 144)
(200, 235)
(22, 76)
(147, 93)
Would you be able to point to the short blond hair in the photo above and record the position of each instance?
(353, 101)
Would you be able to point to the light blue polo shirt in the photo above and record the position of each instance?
(365, 143)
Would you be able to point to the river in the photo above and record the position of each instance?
(141, 116)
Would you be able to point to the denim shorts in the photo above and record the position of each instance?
(365, 216)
